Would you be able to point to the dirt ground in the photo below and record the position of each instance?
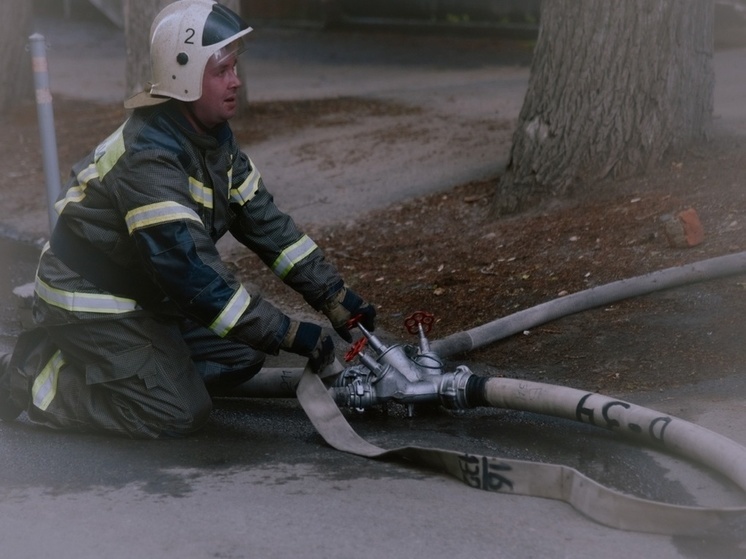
(443, 254)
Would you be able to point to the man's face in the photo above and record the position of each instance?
(220, 86)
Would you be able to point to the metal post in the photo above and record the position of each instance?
(46, 124)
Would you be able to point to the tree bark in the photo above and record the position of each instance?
(138, 17)
(16, 75)
(614, 88)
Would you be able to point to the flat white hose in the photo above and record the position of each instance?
(602, 504)
(647, 426)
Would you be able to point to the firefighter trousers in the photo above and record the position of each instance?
(144, 377)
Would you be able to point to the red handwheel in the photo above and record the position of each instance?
(419, 317)
(356, 348)
(353, 321)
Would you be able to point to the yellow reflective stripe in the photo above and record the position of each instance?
(292, 255)
(44, 388)
(83, 302)
(105, 157)
(232, 312)
(155, 214)
(243, 193)
(73, 194)
(109, 151)
(200, 194)
(90, 172)
(77, 193)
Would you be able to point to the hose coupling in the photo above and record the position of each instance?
(453, 388)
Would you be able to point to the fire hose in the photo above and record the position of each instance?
(409, 374)
(599, 503)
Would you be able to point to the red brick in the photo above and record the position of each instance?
(686, 230)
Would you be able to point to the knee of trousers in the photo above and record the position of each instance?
(188, 419)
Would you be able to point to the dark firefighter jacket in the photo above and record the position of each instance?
(137, 227)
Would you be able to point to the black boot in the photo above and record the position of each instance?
(9, 410)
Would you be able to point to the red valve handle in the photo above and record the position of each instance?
(425, 318)
(356, 348)
(353, 321)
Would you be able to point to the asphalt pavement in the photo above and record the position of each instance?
(259, 482)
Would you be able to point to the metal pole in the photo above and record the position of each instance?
(46, 124)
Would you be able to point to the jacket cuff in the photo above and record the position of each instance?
(329, 294)
(282, 331)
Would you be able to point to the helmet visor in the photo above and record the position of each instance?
(233, 49)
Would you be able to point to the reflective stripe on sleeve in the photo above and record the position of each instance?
(200, 194)
(44, 388)
(109, 151)
(83, 302)
(292, 255)
(90, 172)
(232, 312)
(77, 193)
(155, 214)
(105, 157)
(244, 192)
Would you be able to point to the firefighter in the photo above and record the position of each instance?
(139, 322)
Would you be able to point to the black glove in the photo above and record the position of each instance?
(344, 305)
(309, 340)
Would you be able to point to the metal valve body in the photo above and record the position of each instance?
(402, 373)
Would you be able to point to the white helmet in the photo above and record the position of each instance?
(183, 37)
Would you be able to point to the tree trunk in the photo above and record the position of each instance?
(614, 88)
(16, 73)
(138, 17)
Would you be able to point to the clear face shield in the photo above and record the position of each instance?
(230, 51)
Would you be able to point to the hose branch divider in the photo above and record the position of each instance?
(409, 374)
